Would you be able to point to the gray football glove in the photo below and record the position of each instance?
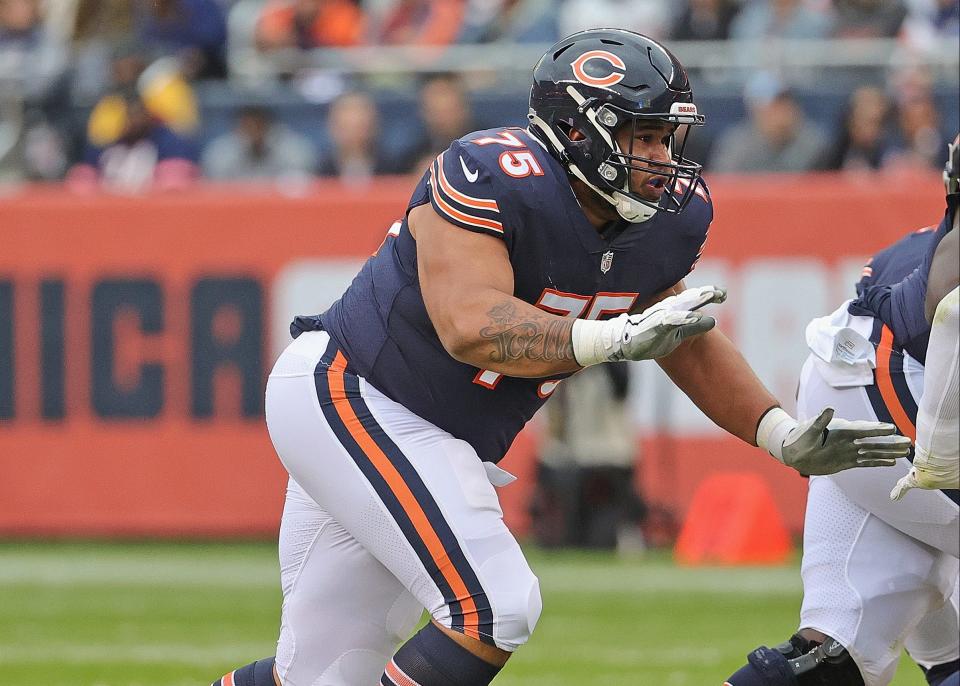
(649, 335)
(825, 445)
(655, 332)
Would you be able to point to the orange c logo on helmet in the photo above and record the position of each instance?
(603, 82)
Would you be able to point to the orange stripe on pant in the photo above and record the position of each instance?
(406, 498)
(398, 676)
(887, 391)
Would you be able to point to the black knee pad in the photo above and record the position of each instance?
(799, 662)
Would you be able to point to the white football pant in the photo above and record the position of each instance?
(385, 515)
(878, 575)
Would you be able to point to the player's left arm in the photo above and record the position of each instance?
(737, 404)
(717, 378)
(736, 407)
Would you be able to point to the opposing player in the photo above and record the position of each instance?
(937, 460)
(880, 575)
(524, 256)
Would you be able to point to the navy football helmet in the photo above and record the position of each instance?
(951, 170)
(597, 81)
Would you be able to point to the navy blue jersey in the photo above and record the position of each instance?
(894, 286)
(503, 183)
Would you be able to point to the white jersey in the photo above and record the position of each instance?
(878, 575)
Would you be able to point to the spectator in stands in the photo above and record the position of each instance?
(352, 126)
(919, 140)
(248, 66)
(422, 22)
(649, 17)
(863, 138)
(259, 149)
(144, 155)
(31, 59)
(510, 21)
(777, 138)
(446, 115)
(792, 19)
(929, 21)
(704, 20)
(193, 30)
(868, 18)
(98, 26)
(165, 93)
(33, 88)
(308, 24)
(12, 164)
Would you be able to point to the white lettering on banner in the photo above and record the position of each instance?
(306, 287)
(777, 299)
(771, 302)
(844, 285)
(655, 402)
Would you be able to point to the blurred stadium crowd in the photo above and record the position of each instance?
(140, 94)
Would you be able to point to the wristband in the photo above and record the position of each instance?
(592, 341)
(773, 429)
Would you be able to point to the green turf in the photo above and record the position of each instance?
(182, 614)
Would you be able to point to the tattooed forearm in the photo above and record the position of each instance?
(522, 337)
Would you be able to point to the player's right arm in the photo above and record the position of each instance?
(467, 284)
(466, 280)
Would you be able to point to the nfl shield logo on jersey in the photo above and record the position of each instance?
(606, 261)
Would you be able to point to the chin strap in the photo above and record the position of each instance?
(633, 211)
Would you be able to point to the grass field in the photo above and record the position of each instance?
(182, 614)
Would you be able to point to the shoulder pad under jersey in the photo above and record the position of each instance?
(479, 182)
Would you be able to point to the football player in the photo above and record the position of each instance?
(525, 254)
(937, 460)
(880, 575)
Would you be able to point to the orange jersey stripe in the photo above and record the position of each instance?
(400, 489)
(465, 218)
(460, 216)
(227, 679)
(887, 391)
(463, 198)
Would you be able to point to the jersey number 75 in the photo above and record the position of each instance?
(570, 305)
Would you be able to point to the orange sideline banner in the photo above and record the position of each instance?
(136, 335)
